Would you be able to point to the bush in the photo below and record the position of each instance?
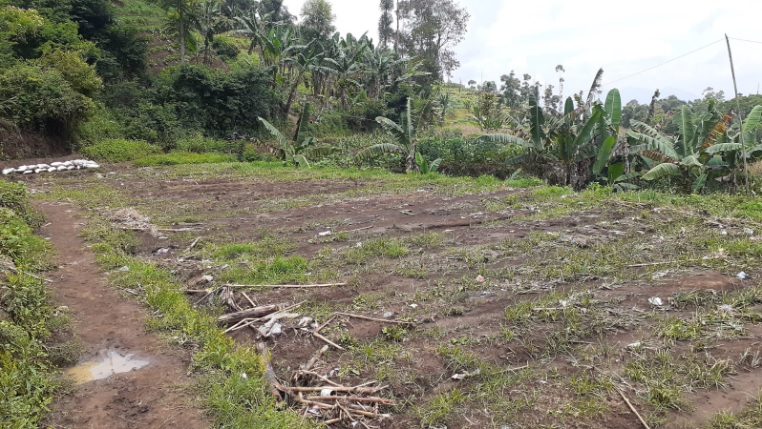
(116, 150)
(99, 126)
(181, 158)
(44, 99)
(225, 48)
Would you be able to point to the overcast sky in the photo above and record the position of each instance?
(623, 38)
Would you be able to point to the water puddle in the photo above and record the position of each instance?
(112, 363)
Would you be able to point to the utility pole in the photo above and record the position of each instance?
(740, 116)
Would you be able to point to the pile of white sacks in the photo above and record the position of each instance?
(76, 164)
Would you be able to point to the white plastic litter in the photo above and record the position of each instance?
(656, 301)
(742, 275)
(53, 167)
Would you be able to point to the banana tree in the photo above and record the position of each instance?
(569, 149)
(297, 151)
(701, 150)
(406, 140)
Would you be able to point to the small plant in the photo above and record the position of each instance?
(394, 333)
(298, 151)
(424, 167)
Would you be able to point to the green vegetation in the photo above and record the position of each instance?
(26, 316)
(234, 400)
(120, 150)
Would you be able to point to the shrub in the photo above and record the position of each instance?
(225, 48)
(116, 150)
(45, 101)
(181, 158)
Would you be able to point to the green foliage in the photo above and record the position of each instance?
(116, 150)
(44, 99)
(183, 158)
(26, 383)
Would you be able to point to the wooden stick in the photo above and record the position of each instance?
(340, 389)
(253, 304)
(248, 322)
(330, 319)
(326, 340)
(313, 360)
(275, 386)
(629, 404)
(287, 286)
(195, 242)
(373, 319)
(322, 378)
(357, 230)
(651, 264)
(373, 400)
(252, 312)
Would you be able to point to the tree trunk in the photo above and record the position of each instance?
(292, 94)
(182, 41)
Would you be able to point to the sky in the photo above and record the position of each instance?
(624, 39)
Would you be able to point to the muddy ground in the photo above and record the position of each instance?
(517, 307)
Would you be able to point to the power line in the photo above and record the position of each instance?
(745, 40)
(664, 63)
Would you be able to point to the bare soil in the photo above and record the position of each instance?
(436, 289)
(152, 397)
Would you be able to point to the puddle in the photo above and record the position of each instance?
(112, 363)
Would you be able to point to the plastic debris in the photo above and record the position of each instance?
(480, 279)
(656, 301)
(53, 167)
(466, 375)
(324, 234)
(748, 231)
(742, 276)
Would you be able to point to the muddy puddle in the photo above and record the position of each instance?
(112, 362)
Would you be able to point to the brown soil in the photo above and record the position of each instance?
(152, 397)
(447, 305)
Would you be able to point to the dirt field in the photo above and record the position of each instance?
(481, 304)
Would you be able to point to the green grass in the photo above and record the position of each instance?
(183, 158)
(234, 400)
(27, 382)
(117, 150)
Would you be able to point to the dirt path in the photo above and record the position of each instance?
(106, 323)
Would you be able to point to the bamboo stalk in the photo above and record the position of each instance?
(374, 319)
(372, 400)
(327, 341)
(287, 286)
(632, 408)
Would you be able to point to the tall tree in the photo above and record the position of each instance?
(385, 31)
(431, 29)
(317, 20)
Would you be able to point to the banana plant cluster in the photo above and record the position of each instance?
(706, 147)
(571, 148)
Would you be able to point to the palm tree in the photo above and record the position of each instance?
(405, 136)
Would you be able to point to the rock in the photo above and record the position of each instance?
(124, 269)
(748, 231)
(162, 251)
(389, 315)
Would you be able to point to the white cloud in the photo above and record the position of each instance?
(585, 35)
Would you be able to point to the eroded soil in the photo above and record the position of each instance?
(104, 320)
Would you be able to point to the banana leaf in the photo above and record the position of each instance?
(613, 108)
(661, 171)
